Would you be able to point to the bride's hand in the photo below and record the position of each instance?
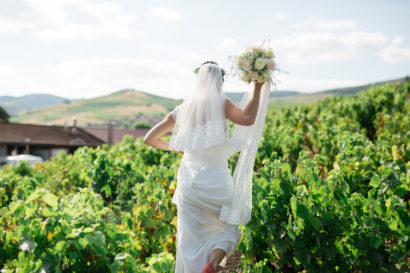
(258, 85)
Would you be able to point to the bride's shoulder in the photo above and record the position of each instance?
(174, 112)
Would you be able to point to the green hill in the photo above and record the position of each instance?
(16, 104)
(122, 105)
(130, 106)
(299, 97)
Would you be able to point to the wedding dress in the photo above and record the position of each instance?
(210, 202)
(204, 186)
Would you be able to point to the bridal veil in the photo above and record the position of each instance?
(201, 123)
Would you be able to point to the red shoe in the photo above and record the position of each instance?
(208, 268)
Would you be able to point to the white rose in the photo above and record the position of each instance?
(260, 63)
(270, 64)
(247, 65)
(244, 77)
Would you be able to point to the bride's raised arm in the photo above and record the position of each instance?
(247, 115)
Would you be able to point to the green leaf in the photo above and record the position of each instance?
(47, 212)
(291, 235)
(73, 255)
(50, 199)
(60, 246)
(375, 242)
(376, 180)
(393, 224)
(34, 195)
(83, 242)
(88, 229)
(293, 205)
(17, 208)
(115, 266)
(30, 209)
(315, 223)
(302, 211)
(100, 250)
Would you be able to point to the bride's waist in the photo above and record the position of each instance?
(205, 159)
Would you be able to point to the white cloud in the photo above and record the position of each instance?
(397, 41)
(164, 13)
(395, 55)
(228, 43)
(326, 47)
(91, 76)
(328, 24)
(70, 19)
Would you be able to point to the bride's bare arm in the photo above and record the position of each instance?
(153, 137)
(247, 115)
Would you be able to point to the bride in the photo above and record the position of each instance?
(210, 202)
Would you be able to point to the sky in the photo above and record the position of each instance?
(88, 48)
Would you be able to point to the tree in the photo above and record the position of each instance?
(142, 125)
(4, 116)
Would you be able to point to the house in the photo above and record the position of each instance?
(47, 140)
(113, 136)
(43, 140)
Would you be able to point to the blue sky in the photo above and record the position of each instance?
(87, 48)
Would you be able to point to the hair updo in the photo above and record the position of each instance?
(211, 62)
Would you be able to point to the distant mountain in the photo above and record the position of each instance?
(16, 104)
(237, 96)
(282, 99)
(356, 89)
(299, 97)
(129, 106)
(125, 106)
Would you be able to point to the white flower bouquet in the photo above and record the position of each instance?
(256, 63)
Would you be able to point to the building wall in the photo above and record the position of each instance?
(55, 151)
(3, 150)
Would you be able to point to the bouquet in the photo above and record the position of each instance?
(256, 63)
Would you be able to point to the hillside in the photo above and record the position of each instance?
(16, 104)
(123, 106)
(129, 106)
(303, 98)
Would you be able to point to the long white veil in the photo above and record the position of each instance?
(201, 123)
(239, 210)
(200, 119)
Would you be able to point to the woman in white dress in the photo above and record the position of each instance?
(200, 131)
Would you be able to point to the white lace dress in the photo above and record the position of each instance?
(204, 186)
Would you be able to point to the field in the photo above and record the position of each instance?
(330, 194)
